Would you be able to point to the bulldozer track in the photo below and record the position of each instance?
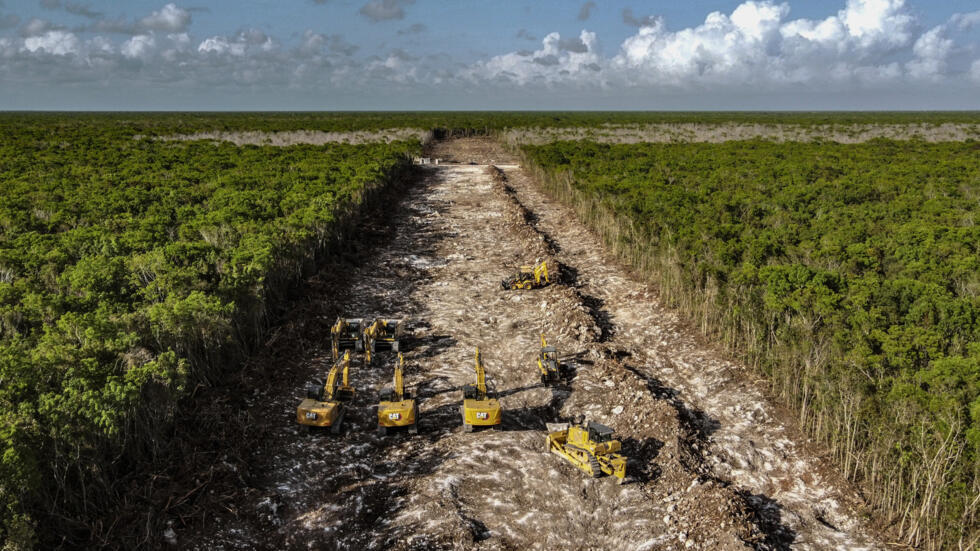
(436, 259)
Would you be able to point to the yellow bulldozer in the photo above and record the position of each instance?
(548, 364)
(397, 408)
(346, 334)
(528, 277)
(590, 447)
(480, 408)
(326, 404)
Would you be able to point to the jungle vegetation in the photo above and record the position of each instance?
(849, 274)
(130, 271)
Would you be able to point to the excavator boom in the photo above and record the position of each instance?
(397, 408)
(399, 384)
(481, 375)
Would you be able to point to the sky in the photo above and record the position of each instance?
(489, 55)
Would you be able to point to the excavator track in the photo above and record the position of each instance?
(596, 468)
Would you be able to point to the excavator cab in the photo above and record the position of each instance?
(600, 434)
(326, 403)
(382, 334)
(480, 408)
(346, 334)
(528, 277)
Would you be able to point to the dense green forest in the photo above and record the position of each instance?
(130, 270)
(133, 268)
(458, 122)
(850, 274)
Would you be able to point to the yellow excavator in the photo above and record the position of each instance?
(382, 334)
(548, 364)
(397, 408)
(528, 277)
(346, 334)
(480, 406)
(590, 447)
(326, 404)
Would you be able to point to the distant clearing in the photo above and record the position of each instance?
(725, 132)
(312, 137)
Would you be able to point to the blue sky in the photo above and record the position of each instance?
(420, 54)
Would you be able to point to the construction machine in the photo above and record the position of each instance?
(548, 364)
(589, 446)
(480, 405)
(326, 404)
(397, 408)
(383, 334)
(346, 334)
(528, 277)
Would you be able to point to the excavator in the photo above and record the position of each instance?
(590, 447)
(548, 364)
(528, 277)
(397, 408)
(480, 406)
(346, 334)
(383, 334)
(326, 404)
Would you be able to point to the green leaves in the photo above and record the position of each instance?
(129, 268)
(856, 268)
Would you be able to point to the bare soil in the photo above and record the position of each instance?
(711, 465)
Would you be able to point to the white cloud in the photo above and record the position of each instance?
(221, 45)
(139, 46)
(758, 42)
(931, 51)
(558, 59)
(965, 21)
(756, 50)
(249, 40)
(53, 42)
(169, 18)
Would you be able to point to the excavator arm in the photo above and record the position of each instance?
(331, 386)
(541, 272)
(481, 375)
(399, 384)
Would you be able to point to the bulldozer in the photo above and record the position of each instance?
(383, 334)
(346, 334)
(480, 406)
(551, 369)
(326, 404)
(396, 407)
(528, 277)
(589, 446)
